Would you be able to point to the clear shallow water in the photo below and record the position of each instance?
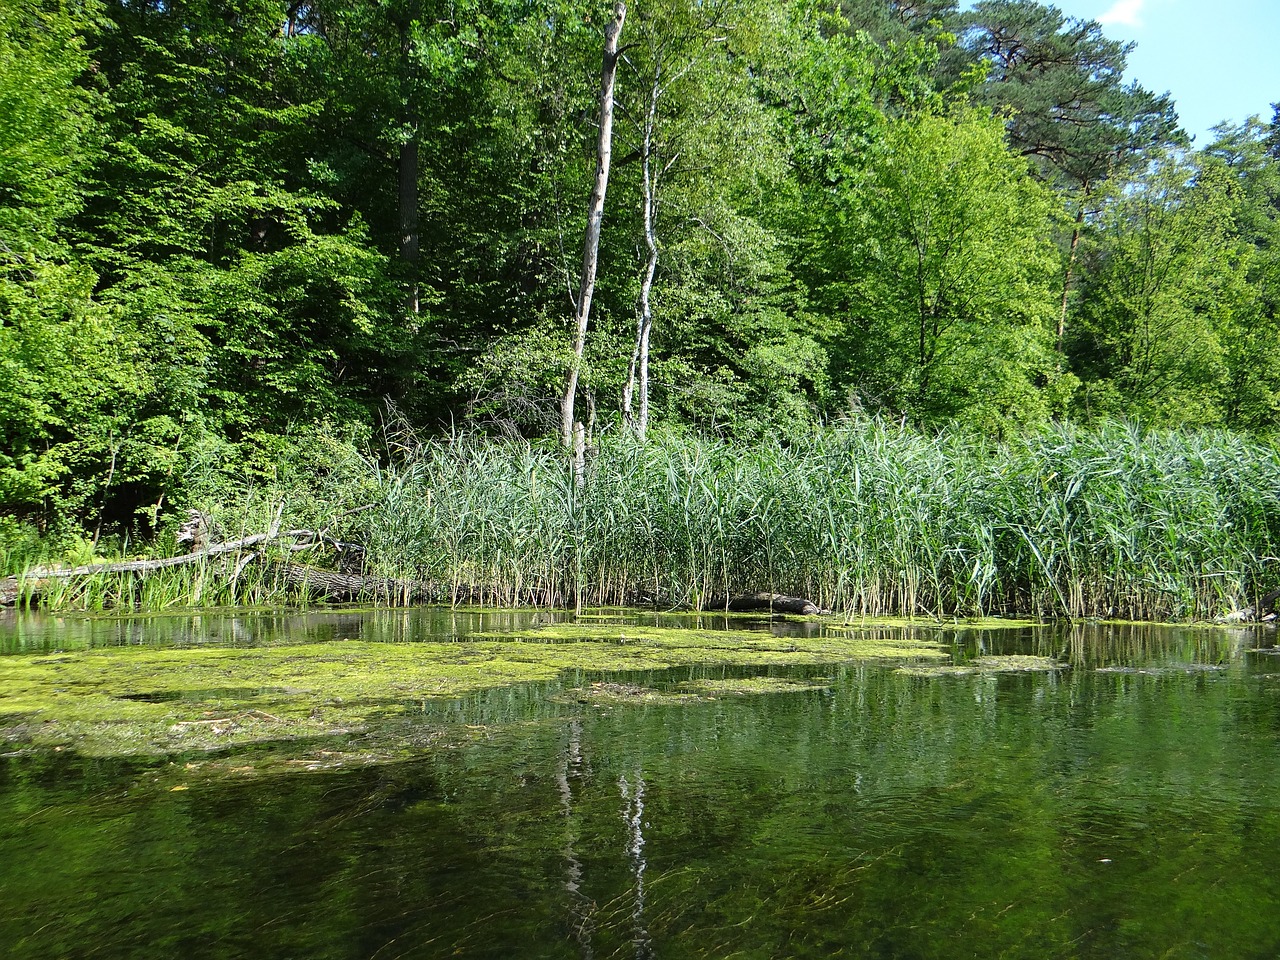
(1126, 807)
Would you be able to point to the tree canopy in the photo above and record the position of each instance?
(223, 224)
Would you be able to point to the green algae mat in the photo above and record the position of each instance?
(158, 699)
(423, 784)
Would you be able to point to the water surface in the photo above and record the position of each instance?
(1125, 806)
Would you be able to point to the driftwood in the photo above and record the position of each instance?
(343, 587)
(320, 583)
(1250, 614)
(767, 603)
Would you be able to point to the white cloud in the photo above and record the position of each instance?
(1125, 13)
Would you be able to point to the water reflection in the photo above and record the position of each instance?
(1134, 645)
(40, 631)
(1088, 645)
(632, 790)
(580, 907)
(1120, 808)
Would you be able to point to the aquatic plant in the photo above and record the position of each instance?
(872, 519)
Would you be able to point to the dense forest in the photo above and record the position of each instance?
(234, 230)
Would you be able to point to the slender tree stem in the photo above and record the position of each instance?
(595, 216)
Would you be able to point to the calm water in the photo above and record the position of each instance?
(1126, 807)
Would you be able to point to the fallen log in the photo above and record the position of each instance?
(12, 587)
(1250, 614)
(769, 603)
(347, 587)
(34, 580)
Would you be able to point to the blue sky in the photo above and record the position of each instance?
(1220, 59)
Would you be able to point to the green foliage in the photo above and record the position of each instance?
(224, 226)
(1251, 396)
(46, 120)
(1059, 81)
(868, 519)
(948, 278)
(67, 387)
(21, 547)
(1163, 290)
(264, 288)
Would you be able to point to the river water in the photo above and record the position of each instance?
(1127, 806)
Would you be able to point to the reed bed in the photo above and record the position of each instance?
(872, 520)
(200, 585)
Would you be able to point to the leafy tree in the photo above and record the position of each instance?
(948, 289)
(897, 20)
(1272, 137)
(1251, 394)
(1059, 82)
(1163, 287)
(255, 293)
(721, 298)
(64, 367)
(399, 78)
(909, 28)
(47, 121)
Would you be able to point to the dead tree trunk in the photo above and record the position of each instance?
(1252, 613)
(344, 587)
(595, 217)
(767, 602)
(318, 583)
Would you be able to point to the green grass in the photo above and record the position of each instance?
(872, 520)
(875, 521)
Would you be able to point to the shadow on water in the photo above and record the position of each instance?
(1120, 808)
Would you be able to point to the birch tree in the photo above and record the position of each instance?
(676, 39)
(595, 217)
(704, 143)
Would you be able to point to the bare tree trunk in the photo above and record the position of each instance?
(595, 215)
(634, 818)
(639, 368)
(580, 906)
(579, 455)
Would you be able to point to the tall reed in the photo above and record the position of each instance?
(869, 519)
(874, 519)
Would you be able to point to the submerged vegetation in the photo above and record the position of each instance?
(149, 701)
(1080, 814)
(1013, 663)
